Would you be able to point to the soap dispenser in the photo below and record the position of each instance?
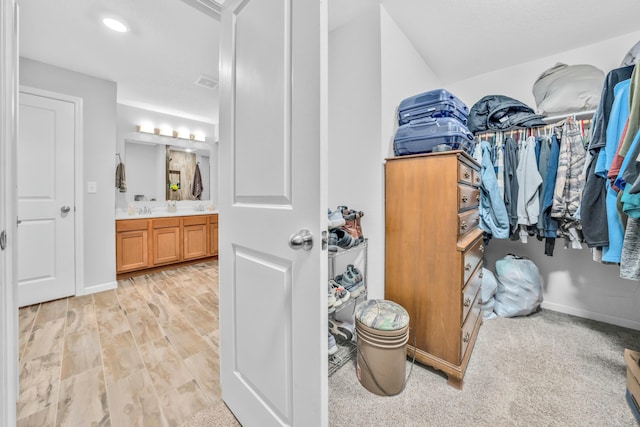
(131, 209)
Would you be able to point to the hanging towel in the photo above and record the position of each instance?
(197, 184)
(121, 179)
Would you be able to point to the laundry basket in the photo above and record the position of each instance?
(382, 329)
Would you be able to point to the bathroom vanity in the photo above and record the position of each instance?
(151, 242)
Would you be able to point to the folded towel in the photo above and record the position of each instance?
(121, 179)
(196, 190)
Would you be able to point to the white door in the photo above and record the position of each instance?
(273, 313)
(46, 207)
(8, 128)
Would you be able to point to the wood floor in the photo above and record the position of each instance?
(145, 354)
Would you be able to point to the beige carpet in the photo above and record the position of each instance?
(548, 369)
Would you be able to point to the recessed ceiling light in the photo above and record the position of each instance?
(115, 25)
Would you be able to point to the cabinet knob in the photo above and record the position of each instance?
(464, 225)
(467, 302)
(481, 248)
(465, 198)
(467, 337)
(477, 179)
(467, 267)
(478, 198)
(467, 174)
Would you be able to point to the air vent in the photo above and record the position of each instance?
(207, 82)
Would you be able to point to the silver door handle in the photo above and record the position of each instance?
(303, 239)
(65, 209)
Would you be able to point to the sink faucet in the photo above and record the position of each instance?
(199, 208)
(144, 210)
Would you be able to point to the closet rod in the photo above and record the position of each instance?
(577, 115)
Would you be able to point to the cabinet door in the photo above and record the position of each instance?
(195, 241)
(166, 245)
(213, 235)
(132, 251)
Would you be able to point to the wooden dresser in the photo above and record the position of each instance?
(434, 252)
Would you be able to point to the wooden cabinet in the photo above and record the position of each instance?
(434, 252)
(132, 250)
(156, 243)
(195, 237)
(166, 244)
(213, 237)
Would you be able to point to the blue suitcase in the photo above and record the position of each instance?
(435, 103)
(420, 136)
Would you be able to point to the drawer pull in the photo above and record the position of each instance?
(467, 302)
(467, 267)
(465, 198)
(481, 248)
(467, 174)
(464, 225)
(477, 179)
(478, 198)
(467, 337)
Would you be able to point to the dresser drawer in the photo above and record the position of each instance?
(467, 221)
(468, 197)
(467, 328)
(477, 178)
(472, 258)
(465, 173)
(470, 291)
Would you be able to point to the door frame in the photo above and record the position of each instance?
(8, 210)
(78, 225)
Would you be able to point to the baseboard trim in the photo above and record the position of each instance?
(100, 288)
(586, 314)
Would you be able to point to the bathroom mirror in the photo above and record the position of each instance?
(158, 172)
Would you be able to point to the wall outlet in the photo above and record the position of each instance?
(92, 187)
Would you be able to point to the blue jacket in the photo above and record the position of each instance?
(493, 213)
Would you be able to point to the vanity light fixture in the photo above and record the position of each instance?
(115, 25)
(166, 131)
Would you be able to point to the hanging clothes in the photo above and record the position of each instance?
(543, 145)
(570, 176)
(121, 178)
(493, 213)
(529, 180)
(511, 181)
(196, 190)
(550, 223)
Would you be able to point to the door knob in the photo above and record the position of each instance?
(303, 239)
(65, 209)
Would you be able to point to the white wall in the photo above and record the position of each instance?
(129, 117)
(372, 67)
(99, 136)
(354, 131)
(574, 283)
(517, 81)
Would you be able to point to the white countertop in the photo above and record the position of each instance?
(162, 212)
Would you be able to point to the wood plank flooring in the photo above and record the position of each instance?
(144, 354)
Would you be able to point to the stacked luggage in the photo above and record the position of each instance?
(432, 121)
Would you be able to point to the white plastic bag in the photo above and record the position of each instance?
(488, 292)
(519, 287)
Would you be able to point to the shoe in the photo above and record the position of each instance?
(341, 294)
(336, 219)
(333, 347)
(331, 301)
(341, 330)
(338, 238)
(356, 272)
(351, 283)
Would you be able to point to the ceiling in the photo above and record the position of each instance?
(172, 43)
